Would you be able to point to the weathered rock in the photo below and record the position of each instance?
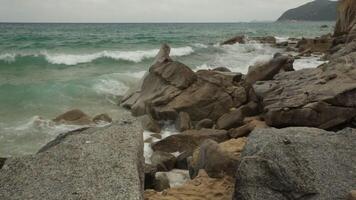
(323, 97)
(171, 87)
(97, 163)
(201, 188)
(102, 118)
(297, 163)
(267, 71)
(183, 122)
(205, 123)
(234, 40)
(163, 161)
(188, 140)
(73, 117)
(346, 21)
(235, 118)
(149, 124)
(216, 159)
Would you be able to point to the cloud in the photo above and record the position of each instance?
(143, 10)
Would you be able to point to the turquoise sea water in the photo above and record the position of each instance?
(47, 69)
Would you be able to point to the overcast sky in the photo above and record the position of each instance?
(143, 10)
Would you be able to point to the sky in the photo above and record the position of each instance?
(117, 11)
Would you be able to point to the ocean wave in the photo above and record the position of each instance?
(75, 59)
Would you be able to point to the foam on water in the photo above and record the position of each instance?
(308, 62)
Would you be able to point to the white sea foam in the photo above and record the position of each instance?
(8, 57)
(308, 62)
(132, 56)
(110, 87)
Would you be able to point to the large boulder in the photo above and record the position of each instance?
(96, 163)
(297, 163)
(189, 140)
(323, 97)
(73, 117)
(346, 22)
(266, 71)
(237, 39)
(163, 161)
(171, 87)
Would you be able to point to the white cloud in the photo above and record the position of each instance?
(143, 10)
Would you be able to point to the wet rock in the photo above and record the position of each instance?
(188, 140)
(297, 163)
(216, 159)
(183, 122)
(163, 161)
(234, 40)
(102, 118)
(235, 118)
(73, 117)
(149, 124)
(222, 69)
(267, 71)
(205, 123)
(265, 39)
(182, 161)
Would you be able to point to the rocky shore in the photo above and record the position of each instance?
(275, 133)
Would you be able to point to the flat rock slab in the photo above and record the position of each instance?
(97, 163)
(297, 163)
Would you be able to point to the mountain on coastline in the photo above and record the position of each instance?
(318, 10)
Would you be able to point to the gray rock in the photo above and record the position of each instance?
(149, 124)
(2, 162)
(102, 118)
(297, 163)
(97, 163)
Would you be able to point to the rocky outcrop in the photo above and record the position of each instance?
(323, 97)
(238, 39)
(97, 163)
(79, 118)
(346, 22)
(201, 188)
(171, 88)
(297, 163)
(316, 45)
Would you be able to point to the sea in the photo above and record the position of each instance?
(48, 69)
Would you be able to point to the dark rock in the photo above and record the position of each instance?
(150, 176)
(183, 122)
(182, 161)
(222, 69)
(235, 118)
(318, 10)
(163, 161)
(149, 124)
(73, 117)
(266, 39)
(234, 40)
(188, 140)
(92, 164)
(2, 162)
(162, 182)
(205, 123)
(297, 163)
(102, 118)
(267, 71)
